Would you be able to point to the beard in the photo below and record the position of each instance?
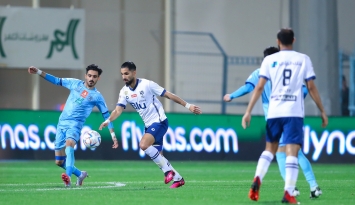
(91, 84)
(128, 83)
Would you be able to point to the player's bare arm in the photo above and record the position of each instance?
(256, 94)
(114, 115)
(313, 92)
(193, 108)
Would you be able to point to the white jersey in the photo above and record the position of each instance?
(143, 98)
(287, 70)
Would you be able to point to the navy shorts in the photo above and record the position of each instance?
(290, 128)
(158, 130)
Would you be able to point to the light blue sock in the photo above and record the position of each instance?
(76, 171)
(69, 165)
(307, 169)
(281, 161)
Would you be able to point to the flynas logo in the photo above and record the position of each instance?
(2, 21)
(63, 39)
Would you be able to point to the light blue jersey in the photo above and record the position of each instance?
(80, 102)
(253, 79)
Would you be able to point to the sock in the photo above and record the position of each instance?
(291, 173)
(307, 170)
(281, 160)
(69, 151)
(76, 171)
(263, 164)
(157, 158)
(177, 176)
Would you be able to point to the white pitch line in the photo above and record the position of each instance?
(160, 181)
(115, 184)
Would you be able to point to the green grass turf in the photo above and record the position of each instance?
(39, 182)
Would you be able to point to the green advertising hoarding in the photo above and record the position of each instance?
(187, 133)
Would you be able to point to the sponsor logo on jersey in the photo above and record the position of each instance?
(284, 97)
(84, 93)
(274, 64)
(133, 95)
(139, 106)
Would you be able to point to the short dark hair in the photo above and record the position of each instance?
(285, 36)
(270, 50)
(129, 64)
(94, 67)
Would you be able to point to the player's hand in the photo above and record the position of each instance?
(32, 70)
(195, 109)
(103, 125)
(324, 119)
(227, 98)
(246, 120)
(115, 144)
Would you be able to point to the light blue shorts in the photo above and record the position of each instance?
(63, 134)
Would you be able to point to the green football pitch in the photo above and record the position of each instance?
(141, 182)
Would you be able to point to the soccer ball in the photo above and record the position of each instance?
(92, 139)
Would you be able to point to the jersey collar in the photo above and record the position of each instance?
(88, 88)
(132, 89)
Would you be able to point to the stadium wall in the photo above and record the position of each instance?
(30, 135)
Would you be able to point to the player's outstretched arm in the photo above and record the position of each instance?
(114, 115)
(193, 108)
(313, 92)
(46, 76)
(256, 94)
(245, 89)
(34, 70)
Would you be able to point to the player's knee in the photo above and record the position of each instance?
(59, 162)
(143, 145)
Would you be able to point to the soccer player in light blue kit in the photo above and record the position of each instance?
(249, 86)
(82, 99)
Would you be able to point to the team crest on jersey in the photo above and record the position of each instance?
(142, 93)
(90, 98)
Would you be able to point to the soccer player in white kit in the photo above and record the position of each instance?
(286, 70)
(280, 154)
(142, 94)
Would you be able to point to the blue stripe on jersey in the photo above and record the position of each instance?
(104, 112)
(311, 78)
(134, 86)
(162, 94)
(60, 82)
(250, 84)
(122, 105)
(156, 109)
(261, 76)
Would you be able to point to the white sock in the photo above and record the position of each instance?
(177, 176)
(291, 173)
(157, 158)
(263, 164)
